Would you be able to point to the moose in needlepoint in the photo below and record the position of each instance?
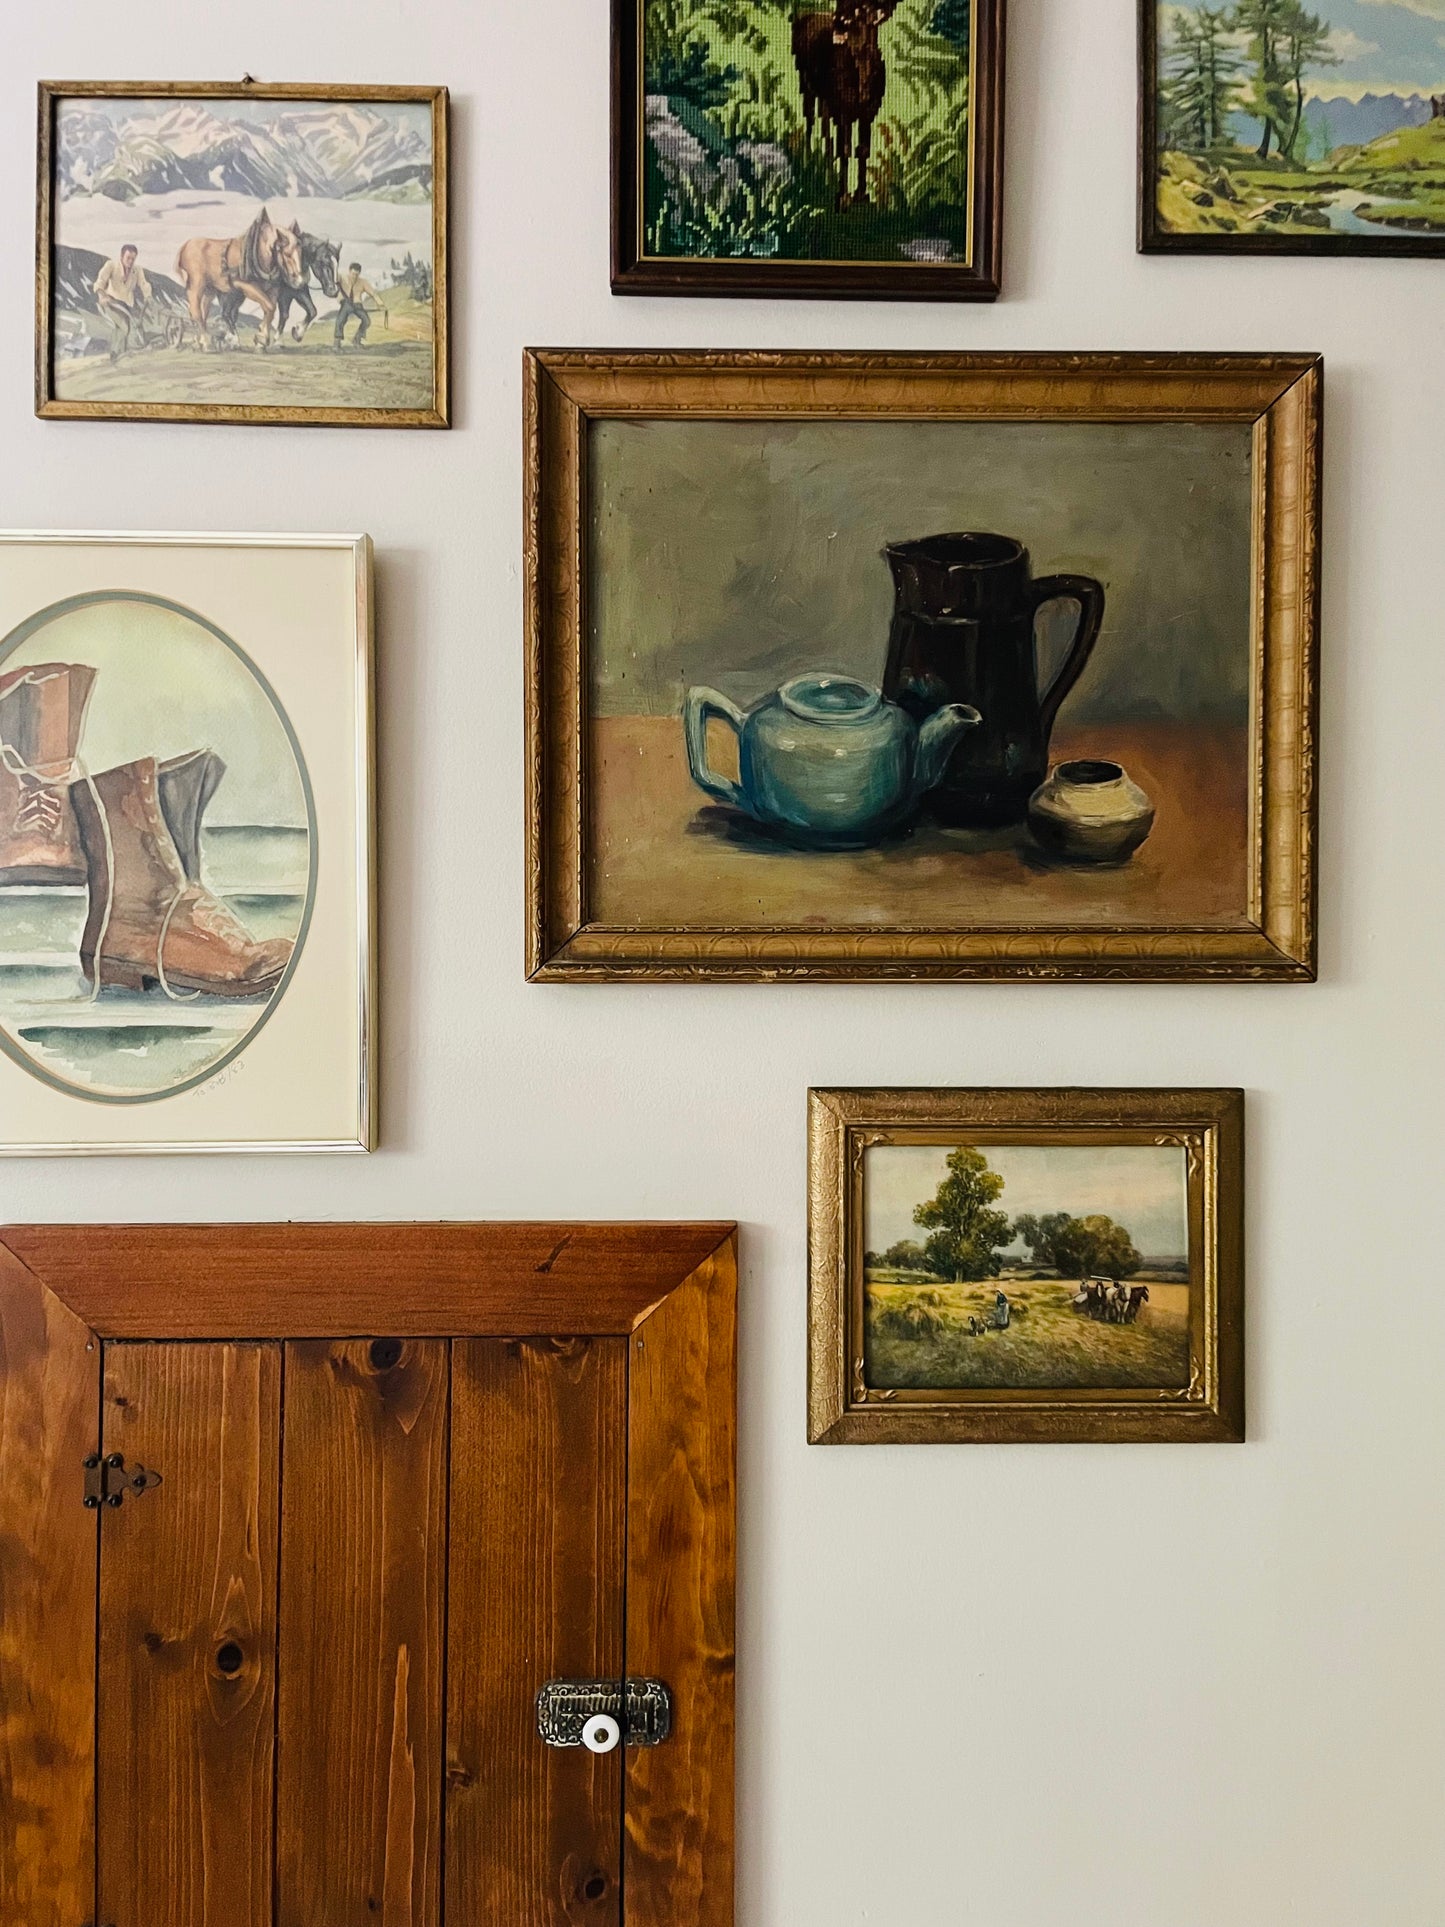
(843, 75)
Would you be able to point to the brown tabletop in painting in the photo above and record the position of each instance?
(665, 857)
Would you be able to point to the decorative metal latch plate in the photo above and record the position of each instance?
(109, 1479)
(642, 1707)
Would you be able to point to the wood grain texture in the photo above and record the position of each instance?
(338, 1280)
(49, 1422)
(188, 1636)
(538, 1490)
(681, 1561)
(363, 1576)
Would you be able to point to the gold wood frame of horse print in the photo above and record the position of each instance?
(1025, 1265)
(186, 872)
(922, 666)
(242, 253)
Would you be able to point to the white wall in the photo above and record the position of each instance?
(1013, 1687)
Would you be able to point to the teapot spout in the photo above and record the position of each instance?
(937, 740)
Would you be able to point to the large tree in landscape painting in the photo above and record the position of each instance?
(1278, 41)
(1080, 1247)
(1202, 89)
(968, 1236)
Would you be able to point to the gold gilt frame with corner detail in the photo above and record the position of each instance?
(1278, 397)
(844, 1125)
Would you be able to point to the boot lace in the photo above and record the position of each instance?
(40, 807)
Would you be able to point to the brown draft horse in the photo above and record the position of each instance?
(249, 267)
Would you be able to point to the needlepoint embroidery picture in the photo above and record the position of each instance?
(812, 146)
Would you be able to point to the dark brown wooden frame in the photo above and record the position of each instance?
(49, 407)
(1208, 1125)
(1281, 397)
(1155, 239)
(978, 280)
(669, 1288)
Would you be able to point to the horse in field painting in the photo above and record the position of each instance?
(249, 267)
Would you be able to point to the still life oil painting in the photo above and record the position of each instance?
(1271, 127)
(163, 839)
(1026, 1264)
(269, 251)
(915, 693)
(808, 146)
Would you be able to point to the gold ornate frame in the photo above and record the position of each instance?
(46, 403)
(842, 1126)
(1280, 396)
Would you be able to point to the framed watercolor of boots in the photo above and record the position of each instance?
(186, 894)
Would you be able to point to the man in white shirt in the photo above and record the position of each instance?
(121, 292)
(354, 289)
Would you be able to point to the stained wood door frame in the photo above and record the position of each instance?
(669, 1289)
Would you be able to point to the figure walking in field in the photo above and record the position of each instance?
(353, 289)
(121, 293)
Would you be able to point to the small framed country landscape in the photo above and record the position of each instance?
(242, 253)
(1019, 1265)
(1270, 127)
(186, 846)
(922, 666)
(833, 148)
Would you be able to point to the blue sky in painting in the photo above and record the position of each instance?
(1385, 46)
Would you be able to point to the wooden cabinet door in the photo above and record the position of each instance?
(327, 1577)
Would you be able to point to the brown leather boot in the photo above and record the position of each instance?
(151, 922)
(42, 710)
(186, 785)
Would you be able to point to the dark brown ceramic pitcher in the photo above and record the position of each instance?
(963, 632)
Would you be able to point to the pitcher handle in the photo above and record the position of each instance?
(1089, 595)
(700, 705)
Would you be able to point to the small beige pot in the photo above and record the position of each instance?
(1090, 812)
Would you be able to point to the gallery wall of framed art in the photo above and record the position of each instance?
(873, 630)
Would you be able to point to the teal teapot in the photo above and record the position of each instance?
(825, 761)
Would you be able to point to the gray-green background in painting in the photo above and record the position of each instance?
(739, 553)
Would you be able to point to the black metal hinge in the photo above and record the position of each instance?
(107, 1480)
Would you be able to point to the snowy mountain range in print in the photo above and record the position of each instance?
(325, 149)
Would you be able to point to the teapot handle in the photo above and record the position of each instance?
(1089, 594)
(700, 705)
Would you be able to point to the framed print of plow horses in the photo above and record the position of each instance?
(252, 253)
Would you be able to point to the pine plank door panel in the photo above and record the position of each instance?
(49, 1422)
(539, 1450)
(363, 1588)
(681, 1480)
(187, 1637)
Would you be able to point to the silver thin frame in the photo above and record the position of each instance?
(360, 547)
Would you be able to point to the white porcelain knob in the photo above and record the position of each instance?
(601, 1734)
